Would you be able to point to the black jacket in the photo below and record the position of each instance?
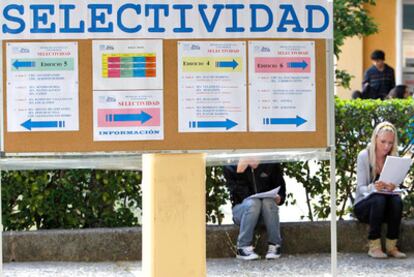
(264, 178)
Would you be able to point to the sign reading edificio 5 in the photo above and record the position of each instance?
(21, 19)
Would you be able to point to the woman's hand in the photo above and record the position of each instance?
(380, 185)
(390, 186)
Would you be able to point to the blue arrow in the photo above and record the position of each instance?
(285, 121)
(143, 117)
(18, 64)
(29, 124)
(228, 124)
(232, 64)
(301, 64)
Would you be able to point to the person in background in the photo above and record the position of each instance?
(379, 79)
(400, 92)
(374, 201)
(247, 178)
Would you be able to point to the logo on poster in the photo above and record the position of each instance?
(20, 50)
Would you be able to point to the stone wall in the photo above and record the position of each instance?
(124, 244)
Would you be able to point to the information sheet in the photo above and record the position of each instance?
(212, 86)
(128, 115)
(42, 87)
(127, 64)
(282, 86)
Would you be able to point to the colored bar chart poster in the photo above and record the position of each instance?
(42, 87)
(212, 86)
(128, 115)
(282, 94)
(127, 64)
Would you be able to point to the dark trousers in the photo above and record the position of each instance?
(377, 209)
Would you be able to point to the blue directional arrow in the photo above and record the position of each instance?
(143, 117)
(29, 124)
(19, 64)
(285, 121)
(228, 124)
(233, 64)
(301, 64)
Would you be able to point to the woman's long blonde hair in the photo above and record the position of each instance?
(380, 128)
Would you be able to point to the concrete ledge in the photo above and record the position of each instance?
(124, 244)
(106, 244)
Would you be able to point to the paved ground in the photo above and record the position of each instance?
(300, 265)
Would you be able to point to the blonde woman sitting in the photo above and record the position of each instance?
(371, 206)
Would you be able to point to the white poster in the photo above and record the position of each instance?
(128, 115)
(127, 64)
(42, 87)
(282, 86)
(212, 86)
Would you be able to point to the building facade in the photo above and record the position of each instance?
(395, 20)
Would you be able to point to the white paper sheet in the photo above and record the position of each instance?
(395, 170)
(282, 95)
(267, 194)
(127, 64)
(42, 87)
(128, 115)
(212, 86)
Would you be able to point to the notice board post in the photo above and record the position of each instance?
(164, 84)
(174, 221)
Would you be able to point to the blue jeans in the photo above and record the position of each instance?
(251, 211)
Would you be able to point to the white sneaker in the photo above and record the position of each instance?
(273, 252)
(246, 253)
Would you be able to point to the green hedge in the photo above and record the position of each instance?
(95, 198)
(70, 199)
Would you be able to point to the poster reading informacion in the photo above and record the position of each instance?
(282, 86)
(42, 87)
(127, 64)
(128, 115)
(212, 86)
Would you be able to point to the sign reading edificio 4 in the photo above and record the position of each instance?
(162, 19)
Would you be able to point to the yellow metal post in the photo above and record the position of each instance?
(173, 226)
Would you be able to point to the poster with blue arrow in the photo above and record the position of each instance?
(42, 87)
(212, 86)
(282, 86)
(128, 115)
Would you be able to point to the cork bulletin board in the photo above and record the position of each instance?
(82, 140)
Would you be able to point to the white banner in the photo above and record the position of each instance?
(49, 19)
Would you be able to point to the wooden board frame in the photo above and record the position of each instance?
(82, 141)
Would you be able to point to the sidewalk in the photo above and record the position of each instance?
(288, 265)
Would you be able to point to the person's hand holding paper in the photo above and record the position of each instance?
(381, 186)
(393, 174)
